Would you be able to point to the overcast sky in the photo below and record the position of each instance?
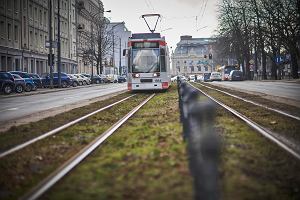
(179, 17)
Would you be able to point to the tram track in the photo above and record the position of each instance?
(254, 103)
(32, 161)
(58, 129)
(67, 167)
(284, 143)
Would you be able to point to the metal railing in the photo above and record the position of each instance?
(203, 144)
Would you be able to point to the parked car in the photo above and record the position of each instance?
(121, 79)
(86, 79)
(65, 80)
(7, 84)
(74, 80)
(104, 78)
(236, 75)
(192, 78)
(206, 77)
(113, 78)
(36, 79)
(215, 76)
(97, 79)
(79, 78)
(20, 83)
(30, 85)
(174, 78)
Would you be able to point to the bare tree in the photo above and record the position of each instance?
(261, 28)
(96, 41)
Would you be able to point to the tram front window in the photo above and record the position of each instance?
(145, 60)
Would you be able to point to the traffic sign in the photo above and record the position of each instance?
(54, 44)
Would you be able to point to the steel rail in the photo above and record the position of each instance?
(252, 102)
(266, 133)
(47, 183)
(56, 130)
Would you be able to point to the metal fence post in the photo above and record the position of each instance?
(204, 147)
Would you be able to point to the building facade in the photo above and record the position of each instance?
(24, 32)
(193, 56)
(120, 42)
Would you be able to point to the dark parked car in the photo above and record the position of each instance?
(206, 77)
(30, 85)
(20, 83)
(97, 79)
(104, 78)
(36, 79)
(121, 79)
(236, 75)
(7, 84)
(65, 80)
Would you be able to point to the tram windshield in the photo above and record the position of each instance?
(145, 60)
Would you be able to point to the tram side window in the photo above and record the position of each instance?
(163, 67)
(129, 61)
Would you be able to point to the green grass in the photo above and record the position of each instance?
(252, 167)
(278, 123)
(24, 169)
(22, 133)
(144, 159)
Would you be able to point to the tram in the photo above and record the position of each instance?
(225, 71)
(148, 62)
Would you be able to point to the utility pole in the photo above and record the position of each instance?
(92, 50)
(113, 57)
(58, 44)
(120, 63)
(50, 57)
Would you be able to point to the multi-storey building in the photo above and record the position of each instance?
(193, 56)
(24, 32)
(120, 35)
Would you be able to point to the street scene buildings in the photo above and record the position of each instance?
(193, 56)
(24, 35)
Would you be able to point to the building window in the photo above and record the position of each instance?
(199, 68)
(25, 27)
(30, 11)
(41, 17)
(2, 3)
(42, 42)
(24, 5)
(17, 6)
(16, 33)
(9, 5)
(35, 14)
(206, 68)
(45, 18)
(9, 31)
(2, 27)
(192, 68)
(31, 38)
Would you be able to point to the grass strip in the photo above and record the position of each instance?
(251, 166)
(278, 123)
(24, 169)
(19, 134)
(144, 159)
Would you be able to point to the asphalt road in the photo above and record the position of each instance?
(278, 89)
(13, 108)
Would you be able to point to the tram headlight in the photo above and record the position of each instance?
(156, 74)
(136, 75)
